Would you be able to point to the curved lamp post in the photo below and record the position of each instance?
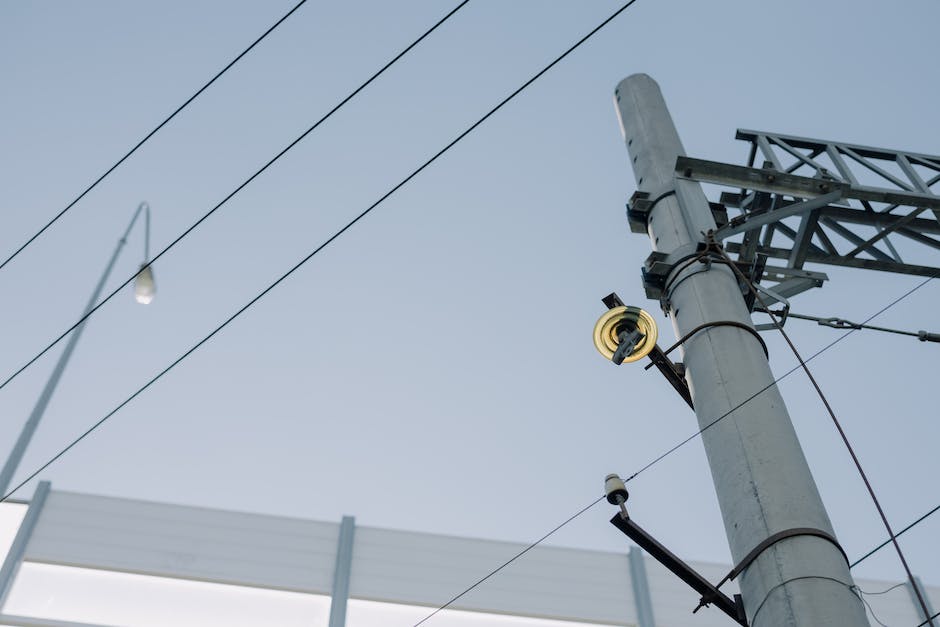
(144, 290)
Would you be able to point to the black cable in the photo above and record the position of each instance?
(869, 608)
(672, 450)
(886, 591)
(235, 191)
(149, 135)
(937, 615)
(898, 534)
(326, 243)
(836, 422)
(507, 563)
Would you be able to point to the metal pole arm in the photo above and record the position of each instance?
(710, 594)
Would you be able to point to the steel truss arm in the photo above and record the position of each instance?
(817, 201)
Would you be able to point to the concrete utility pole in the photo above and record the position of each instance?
(763, 482)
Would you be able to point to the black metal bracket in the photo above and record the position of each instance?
(658, 266)
(640, 207)
(754, 271)
(711, 595)
(674, 372)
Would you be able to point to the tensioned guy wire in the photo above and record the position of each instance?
(149, 135)
(328, 241)
(842, 323)
(244, 184)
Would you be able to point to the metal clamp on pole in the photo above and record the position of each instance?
(774, 539)
(640, 207)
(717, 323)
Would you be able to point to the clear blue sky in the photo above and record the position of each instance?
(433, 369)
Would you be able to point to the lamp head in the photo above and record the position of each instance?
(144, 286)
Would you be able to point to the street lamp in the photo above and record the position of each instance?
(144, 287)
(144, 290)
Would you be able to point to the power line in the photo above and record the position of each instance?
(835, 421)
(937, 615)
(897, 535)
(507, 562)
(328, 241)
(244, 184)
(825, 348)
(148, 136)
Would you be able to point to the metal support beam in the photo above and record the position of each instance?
(848, 262)
(804, 239)
(773, 181)
(11, 564)
(756, 220)
(344, 550)
(763, 482)
(710, 594)
(641, 588)
(757, 179)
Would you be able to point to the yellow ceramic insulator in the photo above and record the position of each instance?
(618, 320)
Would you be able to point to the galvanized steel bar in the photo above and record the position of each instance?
(344, 550)
(15, 555)
(641, 588)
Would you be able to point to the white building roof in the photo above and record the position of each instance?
(82, 559)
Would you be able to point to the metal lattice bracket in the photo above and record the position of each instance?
(816, 201)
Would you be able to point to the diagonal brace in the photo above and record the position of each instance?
(753, 221)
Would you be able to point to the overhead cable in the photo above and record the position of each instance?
(149, 135)
(507, 563)
(244, 184)
(937, 615)
(898, 534)
(322, 246)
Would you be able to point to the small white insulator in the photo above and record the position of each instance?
(615, 489)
